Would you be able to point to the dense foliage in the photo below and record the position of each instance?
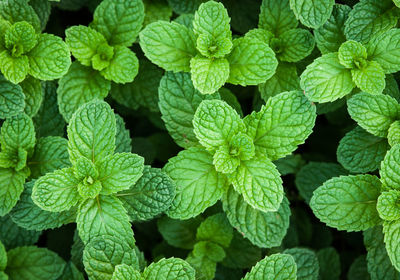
(171, 139)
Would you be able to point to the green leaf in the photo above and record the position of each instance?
(358, 269)
(17, 10)
(3, 257)
(123, 66)
(361, 152)
(156, 10)
(394, 133)
(251, 62)
(370, 17)
(71, 272)
(178, 103)
(263, 229)
(14, 69)
(374, 113)
(34, 93)
(179, 233)
(185, 7)
(33, 263)
(169, 269)
(51, 153)
(198, 185)
(17, 132)
(296, 44)
(390, 171)
(20, 38)
(42, 9)
(330, 36)
(49, 59)
(260, 183)
(387, 205)
(123, 141)
(348, 202)
(284, 79)
(56, 191)
(352, 54)
(370, 79)
(329, 264)
(169, 45)
(119, 171)
(276, 17)
(103, 253)
(119, 21)
(11, 99)
(13, 185)
(209, 75)
(151, 195)
(326, 80)
(215, 123)
(276, 266)
(28, 215)
(215, 228)
(125, 272)
(80, 85)
(212, 19)
(91, 132)
(391, 231)
(312, 14)
(282, 124)
(306, 262)
(291, 164)
(314, 174)
(14, 236)
(224, 162)
(213, 48)
(101, 216)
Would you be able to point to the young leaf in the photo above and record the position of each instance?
(169, 269)
(352, 54)
(387, 205)
(348, 202)
(390, 168)
(370, 78)
(276, 17)
(312, 13)
(276, 266)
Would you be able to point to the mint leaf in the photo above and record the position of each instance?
(251, 62)
(348, 202)
(125, 272)
(276, 17)
(12, 99)
(3, 257)
(352, 54)
(119, 21)
(326, 80)
(14, 236)
(198, 185)
(374, 113)
(312, 13)
(276, 266)
(169, 45)
(370, 79)
(272, 226)
(179, 233)
(16, 11)
(123, 67)
(33, 91)
(394, 133)
(329, 264)
(217, 229)
(169, 269)
(306, 262)
(18, 132)
(387, 205)
(14, 69)
(296, 44)
(272, 127)
(91, 132)
(208, 75)
(33, 263)
(389, 171)
(22, 36)
(151, 195)
(391, 231)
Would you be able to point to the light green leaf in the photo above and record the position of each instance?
(312, 13)
(28, 215)
(276, 266)
(119, 21)
(282, 124)
(306, 262)
(119, 171)
(260, 183)
(209, 75)
(151, 195)
(17, 10)
(56, 191)
(14, 236)
(370, 17)
(11, 99)
(384, 49)
(394, 133)
(370, 78)
(326, 80)
(215, 123)
(391, 231)
(348, 202)
(212, 19)
(215, 228)
(263, 229)
(20, 38)
(33, 263)
(224, 162)
(169, 45)
(34, 93)
(360, 151)
(251, 62)
(390, 168)
(204, 258)
(213, 48)
(169, 269)
(374, 113)
(330, 36)
(81, 84)
(352, 55)
(14, 69)
(103, 253)
(198, 185)
(387, 205)
(178, 103)
(329, 264)
(123, 66)
(18, 132)
(296, 44)
(125, 272)
(104, 215)
(50, 58)
(91, 132)
(276, 17)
